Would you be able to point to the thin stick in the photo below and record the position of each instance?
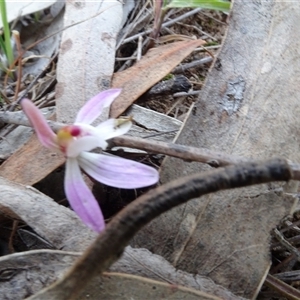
(280, 237)
(166, 24)
(19, 77)
(139, 48)
(12, 235)
(193, 64)
(110, 244)
(185, 94)
(213, 158)
(284, 289)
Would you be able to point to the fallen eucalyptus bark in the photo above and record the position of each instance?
(249, 106)
(30, 271)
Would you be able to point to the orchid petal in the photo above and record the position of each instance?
(93, 108)
(85, 143)
(110, 128)
(116, 171)
(44, 133)
(81, 198)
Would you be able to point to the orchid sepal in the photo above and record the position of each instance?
(42, 129)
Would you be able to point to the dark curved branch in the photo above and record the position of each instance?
(110, 244)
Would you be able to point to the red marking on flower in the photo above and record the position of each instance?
(75, 131)
(63, 149)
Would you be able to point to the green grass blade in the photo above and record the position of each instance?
(2, 45)
(8, 48)
(208, 4)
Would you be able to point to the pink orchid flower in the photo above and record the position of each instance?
(76, 140)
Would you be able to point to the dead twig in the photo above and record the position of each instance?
(284, 289)
(280, 237)
(213, 158)
(12, 235)
(19, 77)
(193, 64)
(166, 24)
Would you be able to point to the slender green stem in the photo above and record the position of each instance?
(8, 48)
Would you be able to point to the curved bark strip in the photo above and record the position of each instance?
(249, 107)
